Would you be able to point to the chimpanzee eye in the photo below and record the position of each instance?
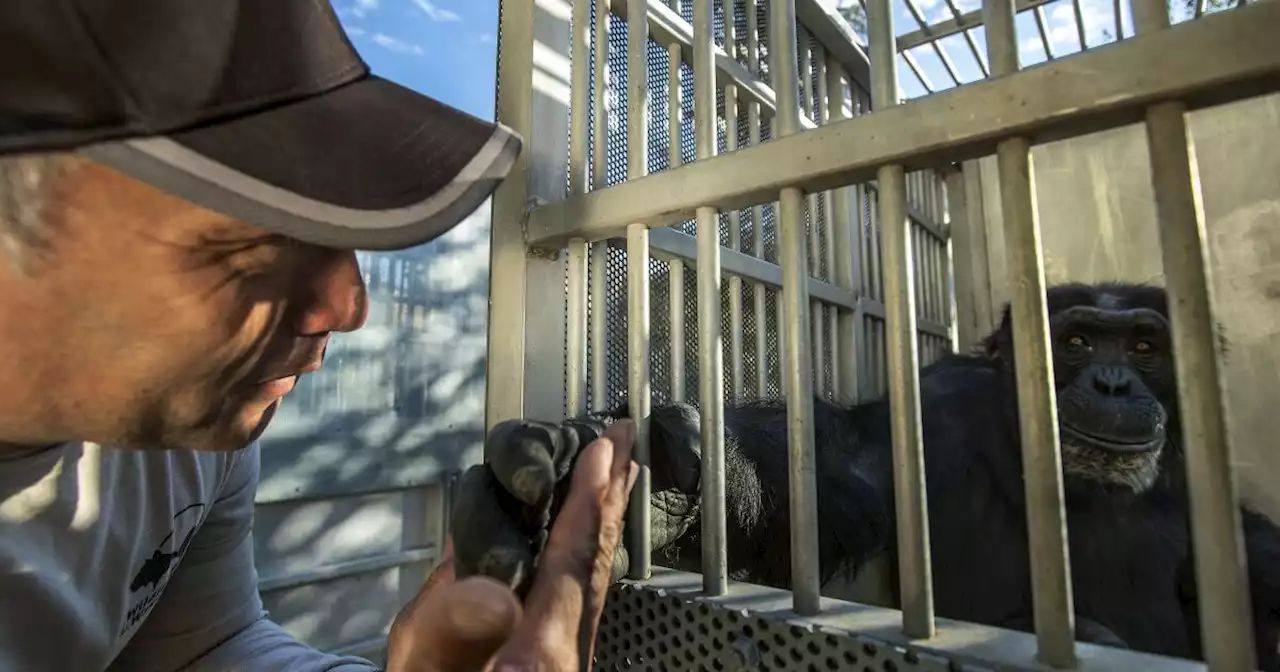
(1143, 346)
(1077, 341)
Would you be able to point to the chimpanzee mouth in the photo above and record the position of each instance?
(1113, 443)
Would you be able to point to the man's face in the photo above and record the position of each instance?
(153, 323)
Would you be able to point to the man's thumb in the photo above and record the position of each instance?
(458, 627)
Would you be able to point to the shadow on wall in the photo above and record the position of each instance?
(350, 496)
(1097, 217)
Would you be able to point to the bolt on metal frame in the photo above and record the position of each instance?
(544, 240)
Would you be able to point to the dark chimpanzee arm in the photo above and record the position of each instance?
(854, 510)
(1262, 545)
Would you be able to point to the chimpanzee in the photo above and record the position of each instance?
(1122, 460)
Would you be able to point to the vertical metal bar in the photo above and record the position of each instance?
(675, 267)
(505, 378)
(735, 239)
(710, 336)
(816, 330)
(1117, 9)
(1041, 455)
(845, 249)
(599, 170)
(599, 379)
(579, 173)
(1226, 627)
(576, 336)
(1038, 12)
(675, 307)
(735, 218)
(639, 546)
(877, 244)
(826, 94)
(780, 318)
(911, 503)
(757, 212)
(1079, 16)
(803, 488)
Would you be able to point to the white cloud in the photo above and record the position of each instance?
(398, 46)
(435, 13)
(356, 31)
(361, 8)
(1063, 36)
(486, 38)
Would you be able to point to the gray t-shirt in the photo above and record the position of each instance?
(136, 561)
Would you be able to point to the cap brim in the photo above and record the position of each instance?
(371, 165)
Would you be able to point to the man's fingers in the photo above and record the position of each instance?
(564, 605)
(455, 627)
(622, 435)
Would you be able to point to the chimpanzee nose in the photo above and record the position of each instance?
(1113, 381)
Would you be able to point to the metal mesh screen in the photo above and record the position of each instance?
(645, 629)
(659, 146)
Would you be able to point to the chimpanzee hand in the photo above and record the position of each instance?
(506, 506)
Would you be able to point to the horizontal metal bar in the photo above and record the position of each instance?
(966, 645)
(872, 308)
(340, 570)
(1067, 97)
(666, 27)
(671, 244)
(950, 27)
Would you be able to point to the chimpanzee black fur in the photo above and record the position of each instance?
(1124, 474)
(1126, 493)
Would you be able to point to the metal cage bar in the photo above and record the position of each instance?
(846, 226)
(639, 389)
(580, 113)
(817, 331)
(1041, 454)
(599, 169)
(1226, 618)
(795, 323)
(911, 503)
(675, 267)
(908, 136)
(759, 299)
(710, 337)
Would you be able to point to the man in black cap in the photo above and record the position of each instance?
(182, 183)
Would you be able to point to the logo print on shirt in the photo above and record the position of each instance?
(154, 572)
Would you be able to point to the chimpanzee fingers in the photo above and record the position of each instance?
(675, 449)
(486, 541)
(529, 457)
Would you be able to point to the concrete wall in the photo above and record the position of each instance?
(1097, 218)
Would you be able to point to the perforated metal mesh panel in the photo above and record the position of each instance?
(645, 629)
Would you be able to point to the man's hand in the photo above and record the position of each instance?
(477, 622)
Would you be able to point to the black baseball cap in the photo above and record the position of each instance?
(259, 109)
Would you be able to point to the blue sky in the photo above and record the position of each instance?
(1060, 26)
(444, 48)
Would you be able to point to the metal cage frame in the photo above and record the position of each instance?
(564, 224)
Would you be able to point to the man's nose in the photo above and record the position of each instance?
(337, 300)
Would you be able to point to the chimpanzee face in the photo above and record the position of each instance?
(1115, 387)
